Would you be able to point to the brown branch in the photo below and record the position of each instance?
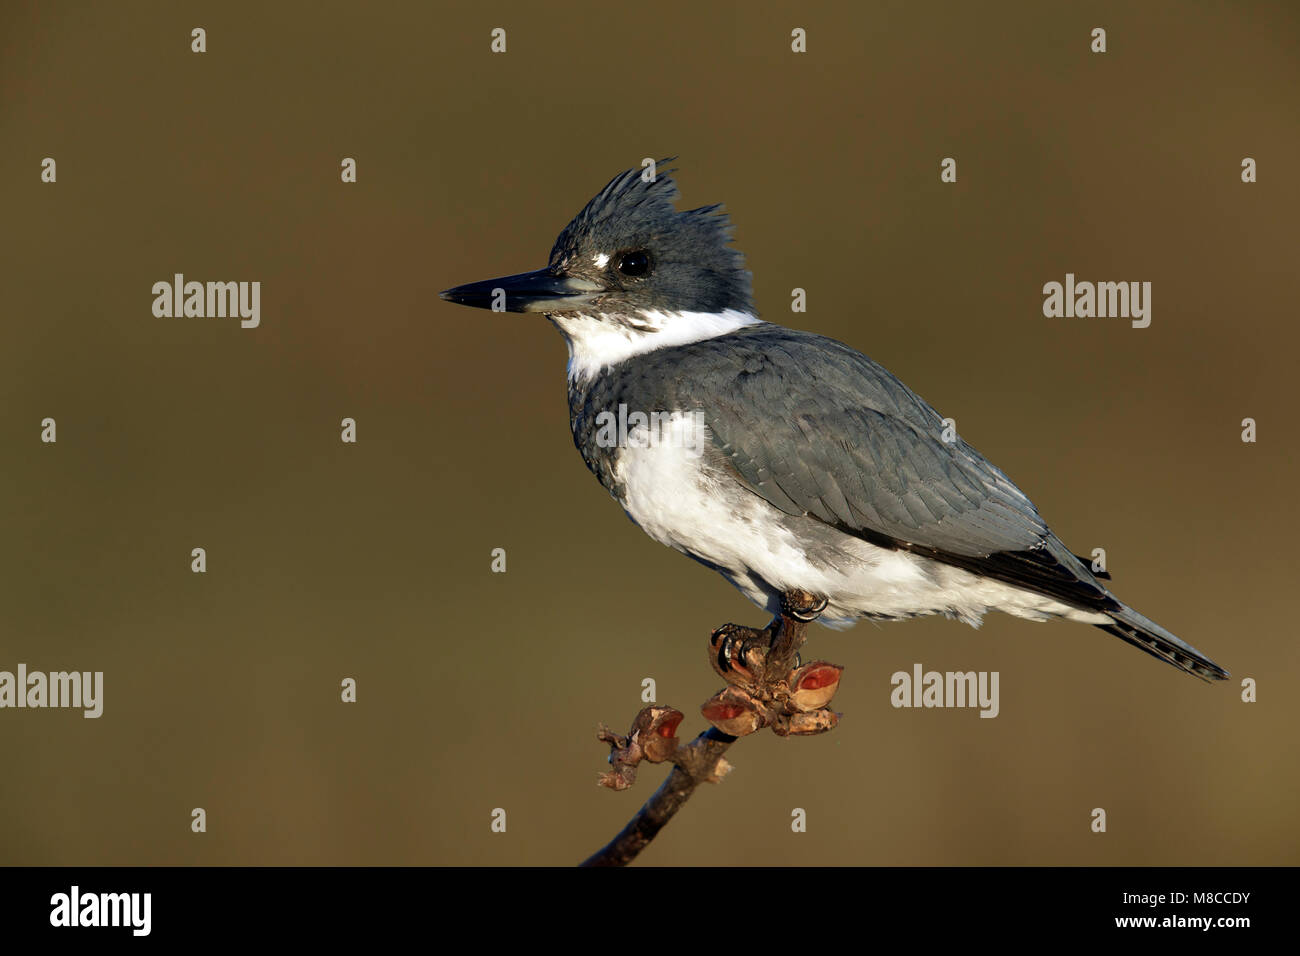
(706, 750)
(765, 688)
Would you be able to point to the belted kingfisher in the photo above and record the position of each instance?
(780, 458)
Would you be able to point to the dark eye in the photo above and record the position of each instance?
(635, 263)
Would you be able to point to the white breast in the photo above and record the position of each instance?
(678, 501)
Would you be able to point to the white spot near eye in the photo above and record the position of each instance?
(601, 260)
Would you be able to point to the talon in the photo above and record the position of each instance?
(738, 653)
(806, 614)
(720, 641)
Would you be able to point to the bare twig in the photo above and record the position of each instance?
(766, 687)
(706, 752)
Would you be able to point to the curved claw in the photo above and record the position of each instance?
(805, 613)
(737, 653)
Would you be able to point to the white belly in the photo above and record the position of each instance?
(676, 501)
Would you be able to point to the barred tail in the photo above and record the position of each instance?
(1141, 632)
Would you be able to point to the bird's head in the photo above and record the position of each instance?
(630, 273)
(629, 251)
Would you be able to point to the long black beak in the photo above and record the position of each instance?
(540, 291)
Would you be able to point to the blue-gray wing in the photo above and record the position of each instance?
(817, 428)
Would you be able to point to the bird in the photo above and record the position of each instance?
(780, 458)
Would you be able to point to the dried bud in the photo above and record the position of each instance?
(656, 731)
(657, 722)
(620, 779)
(813, 685)
(733, 712)
(805, 724)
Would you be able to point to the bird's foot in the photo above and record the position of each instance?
(739, 654)
(802, 606)
(767, 684)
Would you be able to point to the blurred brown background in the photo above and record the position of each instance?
(481, 690)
